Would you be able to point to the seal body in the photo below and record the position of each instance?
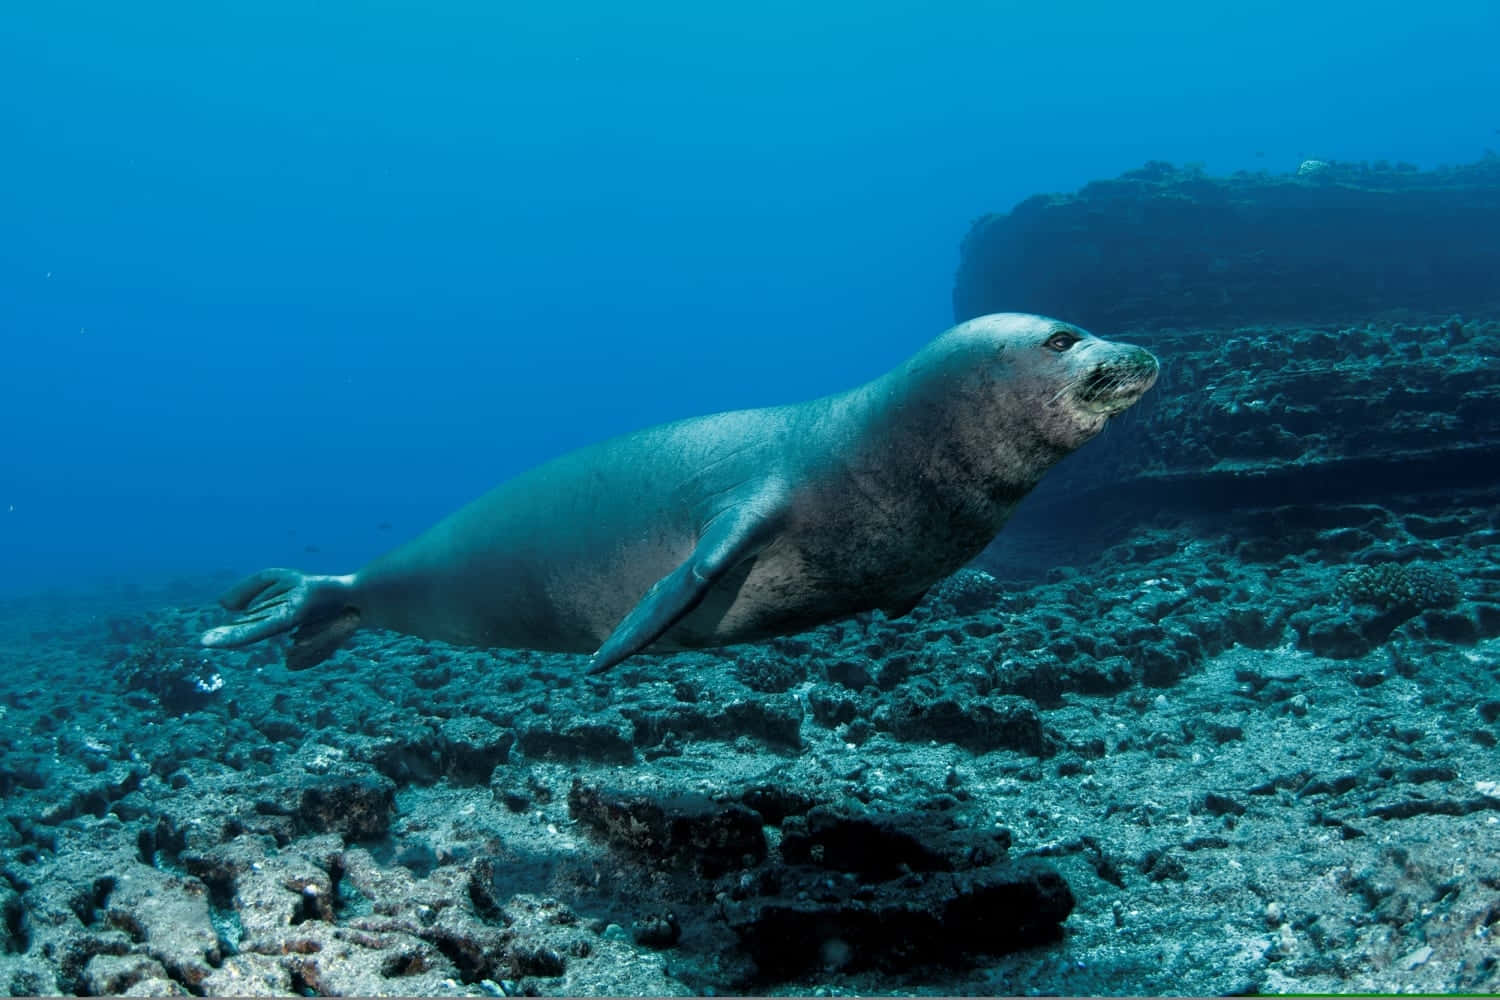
(736, 526)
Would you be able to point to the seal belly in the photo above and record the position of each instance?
(767, 596)
(780, 592)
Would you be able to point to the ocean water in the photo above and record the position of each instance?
(283, 284)
(276, 276)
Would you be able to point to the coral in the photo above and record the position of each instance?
(181, 683)
(768, 673)
(1392, 586)
(968, 592)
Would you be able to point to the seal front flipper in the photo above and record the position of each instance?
(736, 535)
(274, 601)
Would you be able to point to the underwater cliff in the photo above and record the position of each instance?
(1164, 246)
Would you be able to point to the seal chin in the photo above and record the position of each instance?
(1107, 408)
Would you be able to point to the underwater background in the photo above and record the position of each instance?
(275, 275)
(1218, 713)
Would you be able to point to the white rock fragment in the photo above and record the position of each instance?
(1418, 957)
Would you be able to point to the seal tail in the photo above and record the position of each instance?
(274, 601)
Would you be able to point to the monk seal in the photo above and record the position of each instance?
(736, 526)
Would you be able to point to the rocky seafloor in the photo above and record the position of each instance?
(1231, 752)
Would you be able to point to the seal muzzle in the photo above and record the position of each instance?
(1115, 384)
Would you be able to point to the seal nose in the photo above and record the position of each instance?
(1148, 366)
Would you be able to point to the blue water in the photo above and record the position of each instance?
(277, 277)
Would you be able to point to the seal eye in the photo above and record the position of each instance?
(1061, 341)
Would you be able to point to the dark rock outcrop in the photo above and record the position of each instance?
(921, 919)
(1163, 246)
(683, 829)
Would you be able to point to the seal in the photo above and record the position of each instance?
(737, 526)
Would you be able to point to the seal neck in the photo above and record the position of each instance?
(951, 436)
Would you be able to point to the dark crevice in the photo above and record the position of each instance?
(1366, 479)
(309, 907)
(466, 955)
(344, 898)
(145, 846)
(93, 803)
(190, 988)
(17, 938)
(88, 906)
(228, 930)
(406, 963)
(482, 893)
(301, 985)
(168, 840)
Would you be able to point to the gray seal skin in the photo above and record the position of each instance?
(736, 526)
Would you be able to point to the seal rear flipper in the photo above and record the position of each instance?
(275, 601)
(738, 535)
